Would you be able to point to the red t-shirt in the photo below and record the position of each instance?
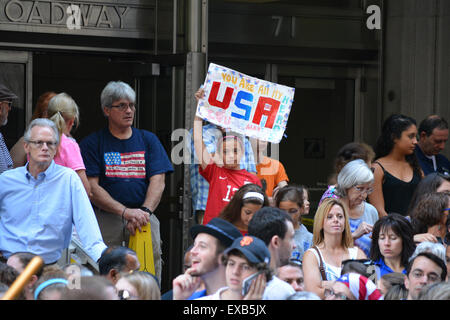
(223, 183)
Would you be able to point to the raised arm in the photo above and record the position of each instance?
(201, 151)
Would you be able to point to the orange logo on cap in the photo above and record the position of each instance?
(246, 241)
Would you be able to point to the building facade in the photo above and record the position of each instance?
(352, 63)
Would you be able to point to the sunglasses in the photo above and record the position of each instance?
(366, 262)
(125, 295)
(329, 292)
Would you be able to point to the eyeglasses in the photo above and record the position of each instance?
(329, 292)
(8, 103)
(364, 190)
(39, 144)
(125, 295)
(431, 277)
(366, 262)
(124, 106)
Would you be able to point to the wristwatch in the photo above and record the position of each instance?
(146, 210)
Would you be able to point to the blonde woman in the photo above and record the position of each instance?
(138, 285)
(63, 111)
(332, 244)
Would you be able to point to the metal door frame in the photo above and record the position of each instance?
(24, 57)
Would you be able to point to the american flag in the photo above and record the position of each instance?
(361, 287)
(125, 165)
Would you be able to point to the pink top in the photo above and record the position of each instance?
(69, 154)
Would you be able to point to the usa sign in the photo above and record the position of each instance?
(244, 104)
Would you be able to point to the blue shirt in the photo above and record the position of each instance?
(36, 215)
(384, 268)
(197, 294)
(124, 166)
(370, 216)
(199, 186)
(303, 241)
(442, 163)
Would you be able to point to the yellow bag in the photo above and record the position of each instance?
(141, 243)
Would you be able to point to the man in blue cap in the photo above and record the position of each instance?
(210, 241)
(248, 256)
(6, 98)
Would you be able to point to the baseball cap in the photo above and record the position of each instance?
(253, 248)
(218, 228)
(6, 94)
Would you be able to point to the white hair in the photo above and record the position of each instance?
(41, 122)
(435, 248)
(116, 90)
(354, 173)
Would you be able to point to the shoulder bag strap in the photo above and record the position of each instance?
(321, 268)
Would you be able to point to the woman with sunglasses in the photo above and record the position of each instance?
(354, 184)
(397, 170)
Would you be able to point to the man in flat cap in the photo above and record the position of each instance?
(6, 98)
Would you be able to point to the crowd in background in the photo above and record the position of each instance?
(380, 230)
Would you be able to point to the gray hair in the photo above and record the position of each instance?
(435, 291)
(116, 90)
(41, 122)
(435, 248)
(354, 173)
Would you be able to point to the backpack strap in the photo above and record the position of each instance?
(321, 268)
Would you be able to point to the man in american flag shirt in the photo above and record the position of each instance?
(126, 169)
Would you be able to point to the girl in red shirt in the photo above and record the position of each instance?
(221, 170)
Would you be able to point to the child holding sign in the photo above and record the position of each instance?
(221, 170)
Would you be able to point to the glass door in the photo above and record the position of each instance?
(15, 73)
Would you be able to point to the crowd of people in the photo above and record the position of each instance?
(380, 231)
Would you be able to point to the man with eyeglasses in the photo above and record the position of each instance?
(126, 169)
(41, 201)
(6, 97)
(424, 269)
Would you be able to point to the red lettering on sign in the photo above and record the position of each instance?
(268, 107)
(226, 98)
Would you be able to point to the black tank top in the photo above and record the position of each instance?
(398, 193)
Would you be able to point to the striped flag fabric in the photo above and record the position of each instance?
(361, 287)
(127, 165)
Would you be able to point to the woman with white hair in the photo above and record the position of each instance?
(354, 184)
